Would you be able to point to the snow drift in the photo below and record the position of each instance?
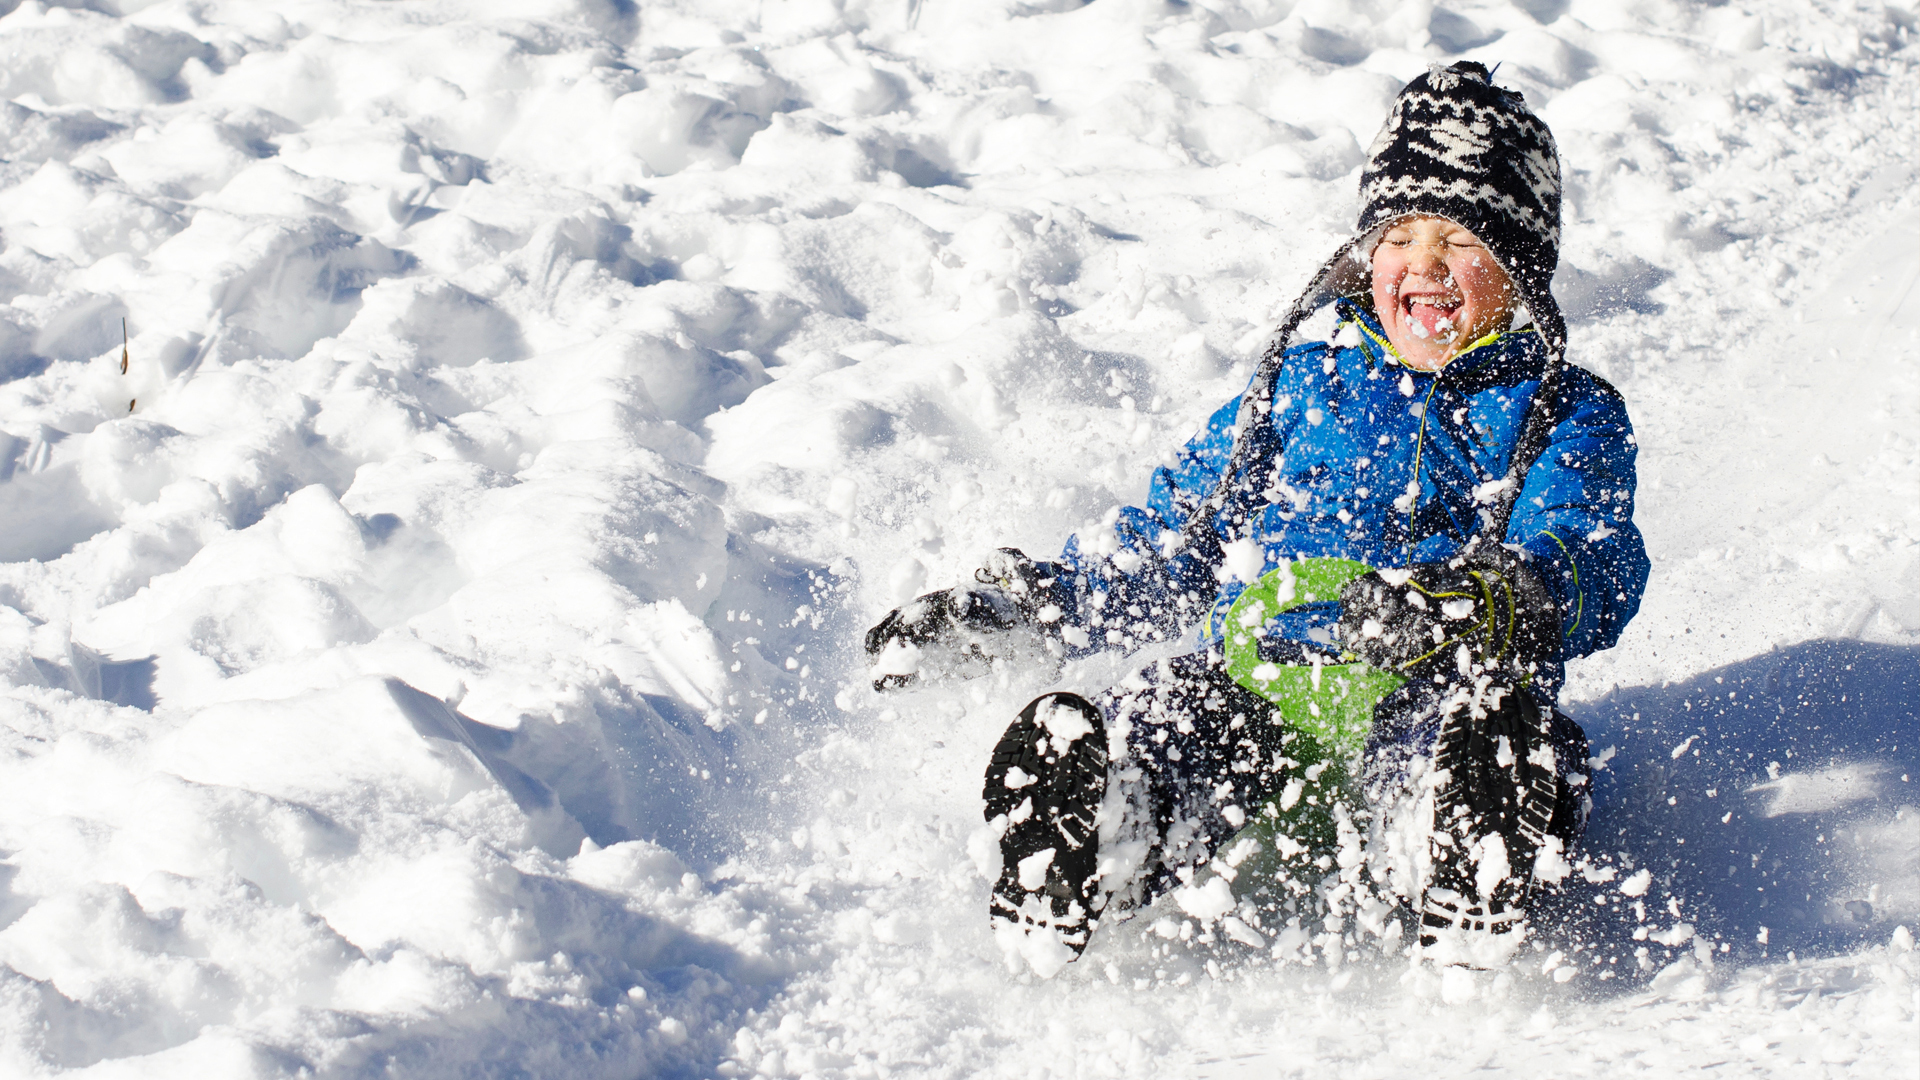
(434, 651)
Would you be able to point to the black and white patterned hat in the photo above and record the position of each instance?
(1458, 146)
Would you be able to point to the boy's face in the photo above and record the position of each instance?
(1437, 289)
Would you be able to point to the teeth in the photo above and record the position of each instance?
(1432, 301)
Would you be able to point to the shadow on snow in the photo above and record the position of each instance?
(1773, 801)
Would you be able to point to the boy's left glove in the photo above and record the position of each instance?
(959, 631)
(1488, 605)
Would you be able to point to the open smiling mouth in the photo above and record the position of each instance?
(1432, 315)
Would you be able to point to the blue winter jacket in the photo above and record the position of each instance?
(1365, 458)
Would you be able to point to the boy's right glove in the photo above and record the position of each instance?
(1418, 621)
(959, 631)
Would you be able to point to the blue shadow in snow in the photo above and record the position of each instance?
(1778, 792)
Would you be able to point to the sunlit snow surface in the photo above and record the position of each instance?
(436, 654)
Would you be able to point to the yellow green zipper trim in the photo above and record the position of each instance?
(1579, 594)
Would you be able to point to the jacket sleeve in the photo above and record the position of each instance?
(1129, 580)
(1574, 515)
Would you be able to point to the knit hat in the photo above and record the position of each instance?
(1458, 146)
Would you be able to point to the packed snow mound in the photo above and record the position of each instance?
(429, 646)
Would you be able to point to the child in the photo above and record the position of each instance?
(1389, 546)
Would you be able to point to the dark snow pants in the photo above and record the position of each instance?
(1211, 754)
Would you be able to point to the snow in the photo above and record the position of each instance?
(1491, 866)
(1033, 869)
(1637, 883)
(1065, 725)
(1207, 901)
(438, 653)
(1242, 560)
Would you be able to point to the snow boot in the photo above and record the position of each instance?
(1043, 791)
(1495, 796)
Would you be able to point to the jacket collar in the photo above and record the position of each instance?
(1373, 341)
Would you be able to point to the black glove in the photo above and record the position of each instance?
(1034, 587)
(1416, 621)
(934, 616)
(1012, 592)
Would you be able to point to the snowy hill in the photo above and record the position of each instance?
(434, 651)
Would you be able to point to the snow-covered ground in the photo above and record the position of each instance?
(435, 652)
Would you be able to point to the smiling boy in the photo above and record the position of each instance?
(1436, 288)
(1389, 546)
